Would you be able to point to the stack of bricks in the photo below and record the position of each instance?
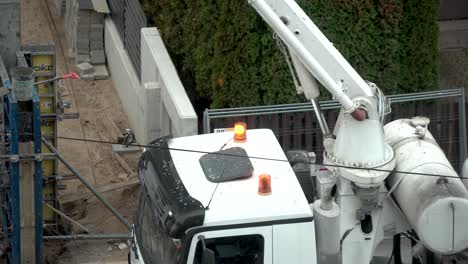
(85, 35)
(96, 36)
(82, 36)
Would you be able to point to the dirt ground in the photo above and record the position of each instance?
(101, 118)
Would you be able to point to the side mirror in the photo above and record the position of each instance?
(465, 169)
(208, 256)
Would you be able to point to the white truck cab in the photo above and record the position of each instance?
(209, 205)
(200, 207)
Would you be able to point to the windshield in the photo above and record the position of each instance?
(245, 249)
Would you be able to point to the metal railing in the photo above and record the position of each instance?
(129, 18)
(296, 127)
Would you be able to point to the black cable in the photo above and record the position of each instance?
(391, 257)
(410, 237)
(263, 158)
(397, 249)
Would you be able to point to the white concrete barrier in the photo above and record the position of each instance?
(156, 104)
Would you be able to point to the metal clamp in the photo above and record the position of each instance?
(127, 138)
(39, 157)
(14, 158)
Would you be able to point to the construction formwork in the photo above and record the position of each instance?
(21, 175)
(28, 161)
(42, 59)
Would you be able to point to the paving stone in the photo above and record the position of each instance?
(85, 4)
(83, 58)
(97, 18)
(88, 76)
(98, 57)
(96, 36)
(82, 44)
(82, 35)
(97, 26)
(100, 72)
(96, 45)
(85, 68)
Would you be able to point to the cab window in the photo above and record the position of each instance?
(154, 244)
(246, 249)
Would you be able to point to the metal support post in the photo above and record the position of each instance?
(87, 184)
(14, 181)
(206, 122)
(462, 127)
(37, 137)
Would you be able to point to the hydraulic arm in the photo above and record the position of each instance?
(359, 158)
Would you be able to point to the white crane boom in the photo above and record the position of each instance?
(361, 159)
(305, 40)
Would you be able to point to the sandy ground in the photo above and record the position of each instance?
(101, 118)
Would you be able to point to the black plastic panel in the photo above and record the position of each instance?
(226, 165)
(174, 206)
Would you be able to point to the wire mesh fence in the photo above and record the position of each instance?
(296, 126)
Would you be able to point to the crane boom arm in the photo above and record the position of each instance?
(305, 40)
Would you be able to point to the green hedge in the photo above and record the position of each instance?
(226, 56)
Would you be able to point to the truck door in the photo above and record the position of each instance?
(294, 243)
(244, 245)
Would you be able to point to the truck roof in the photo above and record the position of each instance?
(238, 201)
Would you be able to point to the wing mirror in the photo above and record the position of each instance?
(208, 256)
(465, 169)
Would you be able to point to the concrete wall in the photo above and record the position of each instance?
(157, 68)
(125, 79)
(454, 54)
(158, 105)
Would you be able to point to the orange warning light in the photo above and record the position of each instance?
(240, 132)
(264, 184)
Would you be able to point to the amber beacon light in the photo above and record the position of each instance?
(240, 132)
(264, 184)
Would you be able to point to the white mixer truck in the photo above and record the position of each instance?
(232, 197)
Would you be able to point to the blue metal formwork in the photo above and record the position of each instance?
(10, 184)
(12, 192)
